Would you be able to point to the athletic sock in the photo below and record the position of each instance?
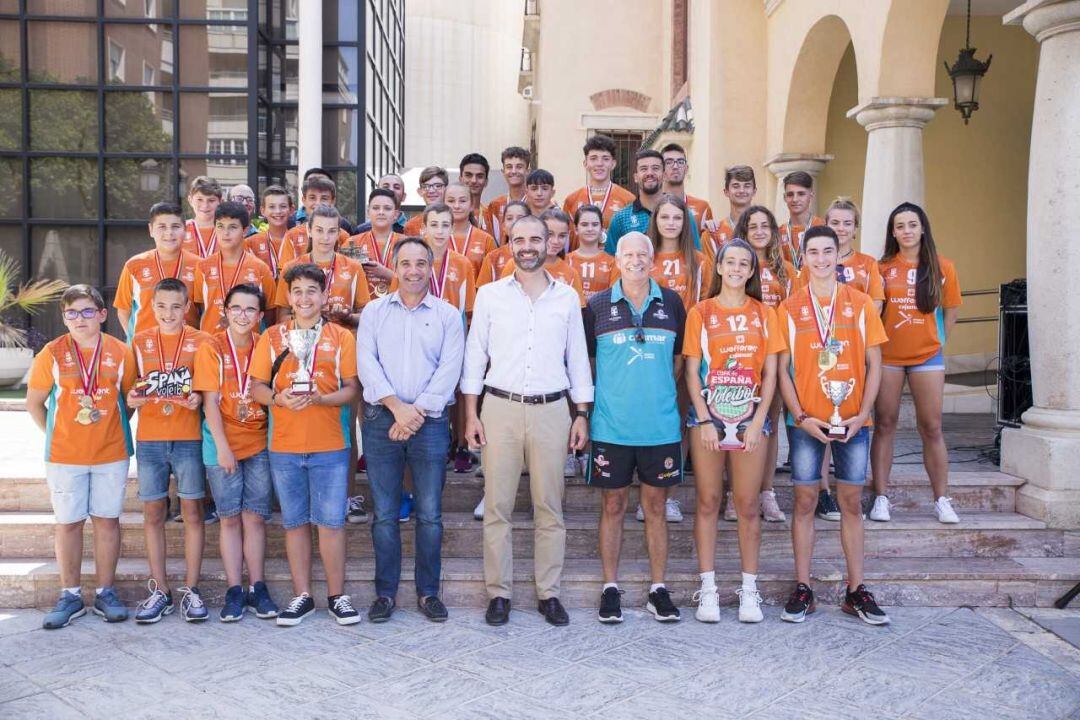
(655, 586)
(708, 579)
(74, 590)
(251, 588)
(97, 591)
(749, 582)
(610, 585)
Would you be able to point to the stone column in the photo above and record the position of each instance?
(309, 70)
(782, 164)
(894, 160)
(1046, 450)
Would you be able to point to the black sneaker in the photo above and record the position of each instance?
(611, 606)
(356, 513)
(661, 607)
(210, 515)
(799, 605)
(381, 610)
(827, 509)
(862, 604)
(299, 608)
(432, 608)
(341, 609)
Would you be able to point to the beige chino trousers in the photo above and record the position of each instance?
(533, 436)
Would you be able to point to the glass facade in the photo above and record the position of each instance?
(107, 106)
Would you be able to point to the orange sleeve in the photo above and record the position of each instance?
(470, 289)
(782, 322)
(41, 377)
(348, 355)
(575, 282)
(197, 292)
(269, 291)
(260, 359)
(487, 272)
(875, 286)
(124, 297)
(775, 343)
(950, 294)
(875, 331)
(207, 369)
(363, 290)
(800, 278)
(691, 346)
(280, 295)
(130, 371)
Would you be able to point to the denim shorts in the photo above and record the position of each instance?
(78, 491)
(934, 364)
(851, 458)
(247, 488)
(311, 487)
(156, 459)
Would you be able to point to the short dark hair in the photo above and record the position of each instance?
(233, 210)
(247, 289)
(599, 142)
(434, 209)
(820, 231)
(315, 171)
(382, 192)
(434, 171)
(517, 203)
(412, 240)
(540, 177)
(588, 208)
(305, 271)
(518, 153)
(171, 285)
(324, 211)
(673, 147)
(205, 185)
(742, 173)
(165, 208)
(273, 190)
(475, 159)
(800, 178)
(82, 291)
(319, 183)
(647, 153)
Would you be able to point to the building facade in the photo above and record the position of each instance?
(107, 106)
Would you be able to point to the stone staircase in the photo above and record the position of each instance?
(994, 557)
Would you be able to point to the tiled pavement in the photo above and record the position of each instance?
(930, 663)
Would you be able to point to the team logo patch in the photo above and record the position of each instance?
(804, 311)
(108, 361)
(660, 314)
(146, 273)
(849, 312)
(669, 463)
(326, 346)
(614, 311)
(713, 321)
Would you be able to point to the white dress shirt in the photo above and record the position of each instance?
(527, 347)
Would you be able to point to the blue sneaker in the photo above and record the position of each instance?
(192, 607)
(406, 507)
(108, 605)
(233, 609)
(260, 601)
(67, 608)
(156, 606)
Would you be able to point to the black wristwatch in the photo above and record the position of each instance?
(581, 414)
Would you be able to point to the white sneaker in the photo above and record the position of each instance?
(570, 467)
(880, 511)
(749, 606)
(640, 514)
(673, 511)
(729, 509)
(708, 604)
(945, 513)
(478, 511)
(770, 510)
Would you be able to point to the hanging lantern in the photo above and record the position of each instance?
(966, 74)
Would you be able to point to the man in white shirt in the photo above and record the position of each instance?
(526, 348)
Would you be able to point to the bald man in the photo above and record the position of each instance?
(396, 185)
(244, 195)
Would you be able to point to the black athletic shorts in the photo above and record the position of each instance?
(612, 466)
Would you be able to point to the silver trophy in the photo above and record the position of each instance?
(837, 391)
(302, 345)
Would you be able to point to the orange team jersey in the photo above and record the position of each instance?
(316, 428)
(264, 247)
(732, 339)
(56, 371)
(296, 243)
(791, 240)
(774, 290)
(474, 244)
(711, 242)
(857, 326)
(485, 220)
(210, 289)
(166, 369)
(348, 283)
(609, 202)
(201, 241)
(453, 281)
(670, 271)
(494, 262)
(215, 371)
(414, 224)
(135, 288)
(859, 270)
(597, 272)
(379, 252)
(914, 336)
(560, 270)
(497, 208)
(700, 209)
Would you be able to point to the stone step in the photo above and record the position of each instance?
(911, 535)
(1000, 582)
(978, 491)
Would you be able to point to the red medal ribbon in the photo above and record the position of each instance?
(161, 269)
(221, 274)
(211, 245)
(88, 375)
(437, 286)
(824, 331)
(242, 378)
(176, 355)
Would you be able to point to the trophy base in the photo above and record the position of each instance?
(303, 388)
(837, 431)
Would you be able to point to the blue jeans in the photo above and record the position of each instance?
(851, 458)
(311, 487)
(247, 488)
(157, 459)
(425, 454)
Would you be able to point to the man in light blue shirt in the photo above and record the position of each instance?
(409, 347)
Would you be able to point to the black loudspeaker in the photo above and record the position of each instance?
(1014, 355)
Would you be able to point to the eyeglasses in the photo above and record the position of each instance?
(85, 313)
(238, 310)
(677, 162)
(433, 186)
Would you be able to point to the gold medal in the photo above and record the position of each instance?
(243, 411)
(167, 408)
(86, 402)
(95, 415)
(83, 417)
(826, 360)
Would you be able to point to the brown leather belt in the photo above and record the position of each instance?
(527, 399)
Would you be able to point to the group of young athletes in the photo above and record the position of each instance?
(787, 310)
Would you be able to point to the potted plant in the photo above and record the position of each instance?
(30, 298)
